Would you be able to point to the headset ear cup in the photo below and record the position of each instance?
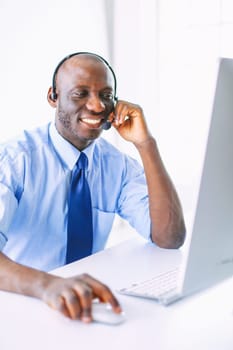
(53, 96)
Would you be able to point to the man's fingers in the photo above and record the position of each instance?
(102, 292)
(124, 111)
(59, 304)
(72, 304)
(85, 295)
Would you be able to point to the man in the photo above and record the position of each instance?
(35, 186)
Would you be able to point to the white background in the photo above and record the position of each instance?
(164, 53)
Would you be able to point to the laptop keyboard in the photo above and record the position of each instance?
(155, 287)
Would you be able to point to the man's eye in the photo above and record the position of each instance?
(107, 96)
(79, 94)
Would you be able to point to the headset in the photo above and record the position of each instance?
(107, 124)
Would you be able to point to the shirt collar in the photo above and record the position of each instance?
(66, 151)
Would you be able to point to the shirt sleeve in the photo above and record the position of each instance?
(9, 190)
(8, 206)
(133, 201)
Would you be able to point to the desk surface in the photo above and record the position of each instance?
(203, 321)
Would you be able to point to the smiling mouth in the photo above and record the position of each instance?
(91, 121)
(94, 123)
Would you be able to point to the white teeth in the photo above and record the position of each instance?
(91, 121)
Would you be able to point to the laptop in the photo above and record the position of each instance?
(210, 254)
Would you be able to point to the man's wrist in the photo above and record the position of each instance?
(145, 143)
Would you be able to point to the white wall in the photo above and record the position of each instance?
(135, 57)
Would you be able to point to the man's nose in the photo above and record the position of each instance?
(95, 104)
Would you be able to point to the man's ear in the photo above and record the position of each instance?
(51, 100)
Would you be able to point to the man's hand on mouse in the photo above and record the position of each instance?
(73, 296)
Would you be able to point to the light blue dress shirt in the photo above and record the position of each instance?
(35, 173)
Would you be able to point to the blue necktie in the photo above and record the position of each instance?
(79, 226)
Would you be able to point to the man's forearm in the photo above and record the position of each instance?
(20, 279)
(168, 228)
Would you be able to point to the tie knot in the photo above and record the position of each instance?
(82, 162)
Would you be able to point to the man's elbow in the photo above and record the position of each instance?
(170, 238)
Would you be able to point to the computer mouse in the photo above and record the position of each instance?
(103, 313)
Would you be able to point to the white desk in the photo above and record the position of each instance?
(203, 321)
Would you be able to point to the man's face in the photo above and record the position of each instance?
(85, 89)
